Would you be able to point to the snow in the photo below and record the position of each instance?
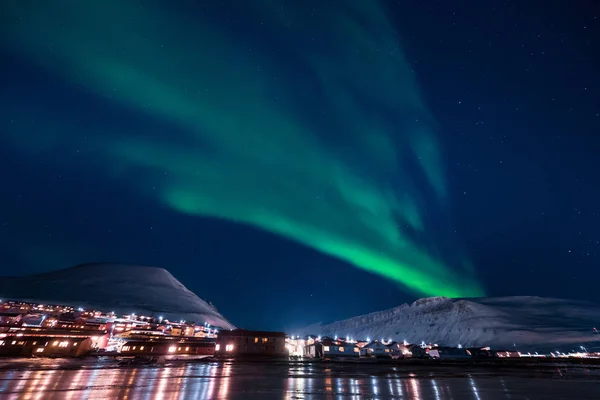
(121, 288)
(523, 322)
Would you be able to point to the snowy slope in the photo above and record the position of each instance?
(115, 287)
(525, 322)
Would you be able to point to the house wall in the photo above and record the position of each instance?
(341, 350)
(375, 349)
(249, 343)
(26, 346)
(166, 347)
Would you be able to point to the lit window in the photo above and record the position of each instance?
(55, 343)
(179, 349)
(134, 347)
(41, 349)
(75, 344)
(387, 350)
(172, 349)
(141, 347)
(217, 347)
(356, 350)
(341, 349)
(63, 344)
(187, 349)
(265, 340)
(229, 347)
(325, 348)
(255, 340)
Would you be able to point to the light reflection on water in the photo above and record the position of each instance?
(277, 381)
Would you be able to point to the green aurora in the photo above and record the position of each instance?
(251, 115)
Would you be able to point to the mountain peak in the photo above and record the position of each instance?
(115, 287)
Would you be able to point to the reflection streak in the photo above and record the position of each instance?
(436, 391)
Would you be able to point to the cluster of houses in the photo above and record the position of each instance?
(32, 329)
(42, 330)
(335, 348)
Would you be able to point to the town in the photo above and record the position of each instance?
(45, 330)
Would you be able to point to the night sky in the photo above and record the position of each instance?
(304, 163)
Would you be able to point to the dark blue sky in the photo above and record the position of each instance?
(515, 90)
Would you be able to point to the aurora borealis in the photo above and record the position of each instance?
(317, 161)
(247, 143)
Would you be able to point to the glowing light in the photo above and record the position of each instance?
(244, 151)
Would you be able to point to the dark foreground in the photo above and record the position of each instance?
(98, 379)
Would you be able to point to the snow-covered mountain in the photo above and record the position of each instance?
(115, 287)
(524, 322)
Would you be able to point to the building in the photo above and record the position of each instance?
(506, 354)
(399, 350)
(449, 353)
(10, 318)
(331, 348)
(296, 346)
(168, 347)
(417, 351)
(45, 346)
(375, 349)
(241, 342)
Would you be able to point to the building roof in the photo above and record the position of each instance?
(9, 314)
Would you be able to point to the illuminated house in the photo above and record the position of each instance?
(168, 347)
(399, 350)
(46, 344)
(506, 354)
(417, 351)
(331, 348)
(376, 349)
(241, 342)
(10, 318)
(448, 352)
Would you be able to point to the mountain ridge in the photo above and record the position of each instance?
(518, 321)
(115, 287)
